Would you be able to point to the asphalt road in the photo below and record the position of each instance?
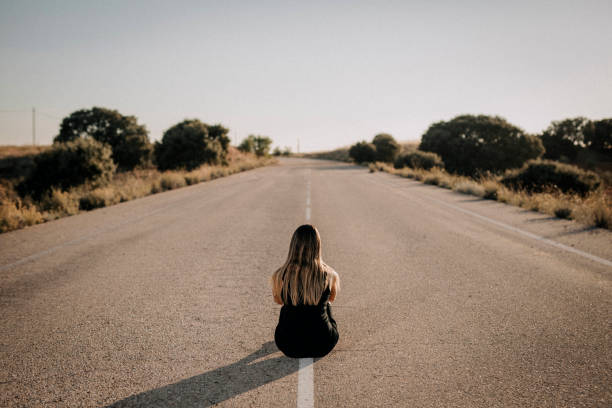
(446, 300)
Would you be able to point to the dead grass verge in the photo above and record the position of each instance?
(595, 209)
(16, 213)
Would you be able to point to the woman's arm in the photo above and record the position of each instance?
(335, 286)
(277, 298)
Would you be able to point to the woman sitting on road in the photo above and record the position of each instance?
(305, 285)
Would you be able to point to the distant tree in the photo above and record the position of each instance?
(598, 137)
(259, 145)
(363, 152)
(287, 151)
(471, 145)
(188, 145)
(276, 151)
(387, 148)
(128, 140)
(262, 145)
(247, 145)
(219, 133)
(564, 139)
(69, 164)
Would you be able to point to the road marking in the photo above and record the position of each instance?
(305, 392)
(511, 228)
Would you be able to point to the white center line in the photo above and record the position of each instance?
(305, 392)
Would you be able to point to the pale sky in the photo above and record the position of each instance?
(329, 73)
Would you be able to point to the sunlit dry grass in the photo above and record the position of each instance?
(16, 213)
(594, 209)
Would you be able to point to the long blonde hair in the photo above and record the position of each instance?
(304, 276)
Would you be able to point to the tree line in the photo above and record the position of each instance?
(477, 145)
(93, 144)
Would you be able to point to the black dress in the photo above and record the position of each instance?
(306, 330)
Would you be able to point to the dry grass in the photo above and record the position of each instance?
(595, 209)
(16, 213)
(20, 151)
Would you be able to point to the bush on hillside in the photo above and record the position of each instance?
(128, 140)
(542, 175)
(598, 137)
(387, 148)
(472, 145)
(363, 152)
(69, 164)
(564, 139)
(259, 145)
(188, 145)
(418, 160)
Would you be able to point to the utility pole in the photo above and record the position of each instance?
(298, 145)
(33, 126)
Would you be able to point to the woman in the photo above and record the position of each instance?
(305, 285)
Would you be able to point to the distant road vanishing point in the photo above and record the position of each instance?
(446, 300)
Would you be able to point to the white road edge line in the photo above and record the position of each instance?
(305, 391)
(514, 229)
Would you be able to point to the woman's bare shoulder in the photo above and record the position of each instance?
(332, 271)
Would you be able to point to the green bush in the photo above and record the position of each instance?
(418, 160)
(69, 164)
(543, 175)
(188, 145)
(387, 148)
(598, 137)
(128, 140)
(363, 152)
(472, 145)
(259, 145)
(564, 140)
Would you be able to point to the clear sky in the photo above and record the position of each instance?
(327, 72)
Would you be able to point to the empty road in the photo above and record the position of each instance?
(446, 300)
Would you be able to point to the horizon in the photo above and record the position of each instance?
(329, 75)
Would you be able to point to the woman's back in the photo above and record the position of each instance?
(306, 330)
(305, 285)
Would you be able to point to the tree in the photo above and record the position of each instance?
(564, 139)
(128, 140)
(598, 137)
(247, 145)
(363, 152)
(188, 145)
(219, 133)
(471, 145)
(387, 148)
(69, 164)
(262, 145)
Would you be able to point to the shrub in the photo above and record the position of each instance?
(98, 198)
(259, 145)
(563, 211)
(543, 175)
(69, 164)
(188, 145)
(128, 140)
(598, 137)
(172, 180)
(418, 160)
(60, 203)
(470, 187)
(387, 148)
(472, 145)
(363, 152)
(564, 139)
(490, 190)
